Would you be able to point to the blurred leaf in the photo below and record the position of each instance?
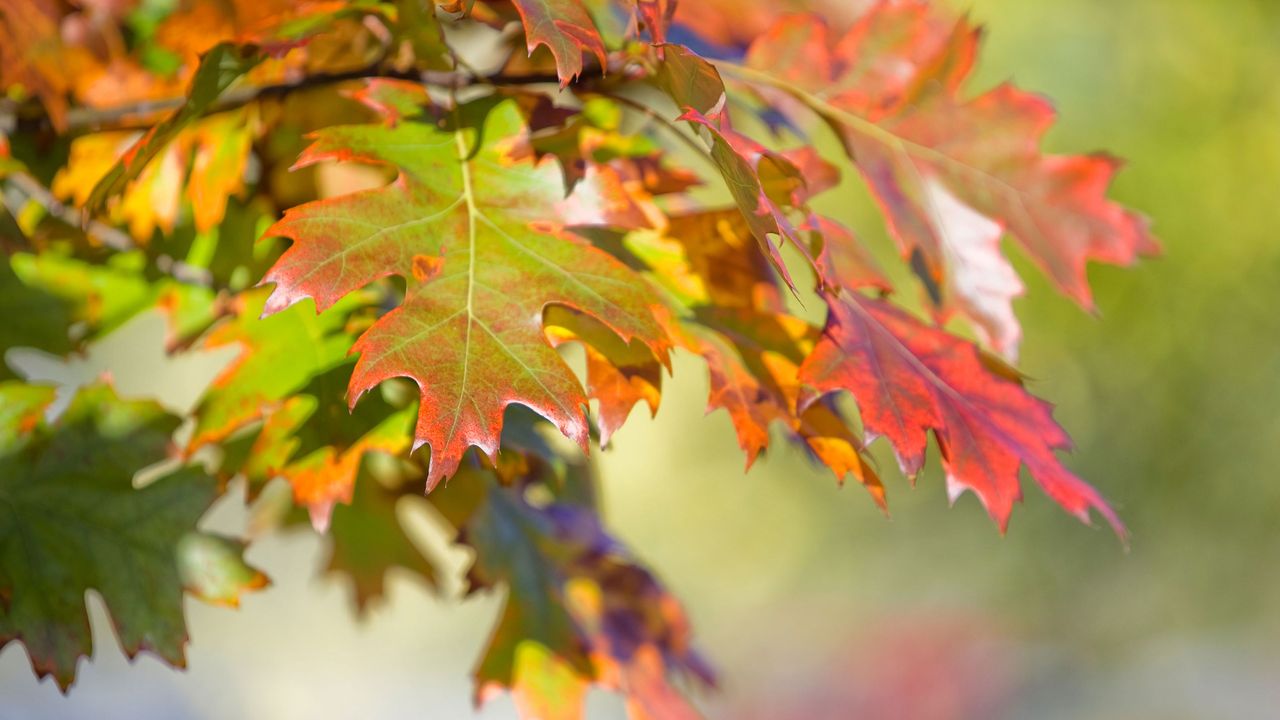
(369, 540)
(953, 175)
(279, 355)
(33, 316)
(72, 521)
(219, 68)
(213, 569)
(579, 610)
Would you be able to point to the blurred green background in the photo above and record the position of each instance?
(811, 603)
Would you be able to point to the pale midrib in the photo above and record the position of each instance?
(472, 214)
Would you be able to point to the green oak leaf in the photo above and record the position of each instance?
(72, 521)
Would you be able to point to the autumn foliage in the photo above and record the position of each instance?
(401, 217)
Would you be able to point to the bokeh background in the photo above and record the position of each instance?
(811, 603)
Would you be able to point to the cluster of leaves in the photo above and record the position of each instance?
(536, 174)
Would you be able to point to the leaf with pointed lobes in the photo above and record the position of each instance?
(909, 378)
(471, 208)
(368, 540)
(754, 361)
(568, 31)
(711, 250)
(218, 148)
(151, 201)
(71, 520)
(845, 261)
(749, 169)
(742, 164)
(953, 175)
(326, 476)
(580, 610)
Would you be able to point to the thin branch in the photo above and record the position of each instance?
(85, 119)
(32, 190)
(26, 188)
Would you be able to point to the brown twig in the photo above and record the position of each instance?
(34, 191)
(85, 119)
(27, 188)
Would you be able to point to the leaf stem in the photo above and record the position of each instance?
(691, 141)
(33, 190)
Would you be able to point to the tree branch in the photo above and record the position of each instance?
(27, 188)
(32, 190)
(86, 119)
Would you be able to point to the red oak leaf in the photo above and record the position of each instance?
(467, 224)
(952, 175)
(909, 378)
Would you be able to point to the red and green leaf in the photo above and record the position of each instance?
(467, 225)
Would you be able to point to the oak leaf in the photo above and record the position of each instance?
(750, 170)
(468, 224)
(909, 378)
(318, 446)
(619, 375)
(72, 521)
(735, 319)
(580, 610)
(219, 69)
(278, 356)
(952, 175)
